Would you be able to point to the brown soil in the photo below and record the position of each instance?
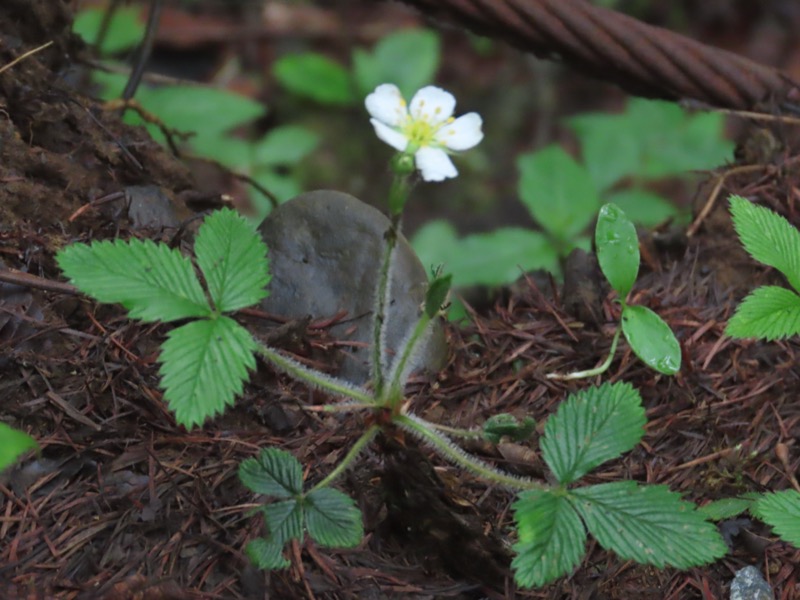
(123, 503)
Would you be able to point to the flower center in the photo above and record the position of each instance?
(419, 132)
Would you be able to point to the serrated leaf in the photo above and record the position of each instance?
(314, 76)
(591, 427)
(650, 139)
(651, 339)
(408, 58)
(768, 313)
(284, 520)
(617, 248)
(154, 282)
(274, 472)
(552, 539)
(266, 554)
(781, 511)
(506, 424)
(726, 508)
(13, 443)
(558, 192)
(768, 237)
(648, 524)
(204, 365)
(332, 519)
(285, 145)
(233, 258)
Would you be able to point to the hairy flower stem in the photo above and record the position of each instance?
(450, 451)
(398, 194)
(352, 454)
(395, 393)
(466, 434)
(314, 378)
(597, 370)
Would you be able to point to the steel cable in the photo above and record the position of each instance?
(642, 59)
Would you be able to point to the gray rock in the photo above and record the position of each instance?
(150, 208)
(748, 584)
(325, 250)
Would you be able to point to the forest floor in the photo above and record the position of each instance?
(123, 503)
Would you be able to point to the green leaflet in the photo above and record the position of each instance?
(267, 554)
(233, 259)
(552, 538)
(203, 367)
(781, 511)
(274, 473)
(649, 524)
(152, 281)
(12, 444)
(768, 237)
(332, 519)
(592, 426)
(768, 313)
(558, 192)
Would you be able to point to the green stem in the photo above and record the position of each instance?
(597, 370)
(395, 386)
(449, 450)
(314, 377)
(365, 439)
(397, 198)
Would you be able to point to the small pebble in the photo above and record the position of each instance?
(748, 584)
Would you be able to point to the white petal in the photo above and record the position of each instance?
(391, 136)
(386, 104)
(463, 133)
(432, 104)
(434, 164)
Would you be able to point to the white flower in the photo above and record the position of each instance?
(425, 129)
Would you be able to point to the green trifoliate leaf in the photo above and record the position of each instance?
(436, 295)
(332, 519)
(591, 427)
(768, 313)
(768, 237)
(13, 443)
(781, 511)
(154, 282)
(617, 248)
(267, 554)
(552, 539)
(492, 258)
(726, 508)
(651, 339)
(284, 520)
(648, 524)
(505, 424)
(203, 367)
(233, 259)
(274, 473)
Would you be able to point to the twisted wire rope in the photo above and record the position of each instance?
(643, 59)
